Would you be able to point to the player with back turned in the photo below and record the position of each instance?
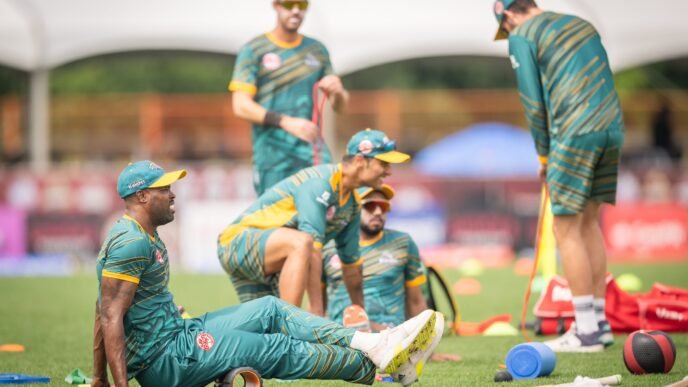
(575, 117)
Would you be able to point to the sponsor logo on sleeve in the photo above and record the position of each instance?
(205, 341)
(158, 257)
(514, 62)
(324, 199)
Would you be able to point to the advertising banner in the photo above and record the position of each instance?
(646, 232)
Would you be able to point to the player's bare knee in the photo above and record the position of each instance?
(303, 242)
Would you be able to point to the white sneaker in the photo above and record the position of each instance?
(410, 371)
(607, 336)
(573, 341)
(397, 344)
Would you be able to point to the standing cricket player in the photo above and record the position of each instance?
(272, 87)
(574, 115)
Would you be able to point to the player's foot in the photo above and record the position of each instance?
(572, 341)
(410, 371)
(356, 318)
(396, 345)
(607, 336)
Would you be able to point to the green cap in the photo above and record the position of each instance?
(499, 7)
(375, 144)
(145, 174)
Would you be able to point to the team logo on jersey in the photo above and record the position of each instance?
(311, 61)
(331, 210)
(158, 257)
(271, 61)
(324, 199)
(205, 341)
(365, 147)
(388, 259)
(498, 8)
(335, 262)
(514, 62)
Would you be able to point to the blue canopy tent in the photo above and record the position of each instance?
(485, 150)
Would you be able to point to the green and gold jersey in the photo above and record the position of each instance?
(564, 79)
(281, 76)
(311, 201)
(130, 254)
(390, 264)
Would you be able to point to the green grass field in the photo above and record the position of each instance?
(53, 318)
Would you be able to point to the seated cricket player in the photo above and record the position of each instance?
(275, 246)
(392, 270)
(139, 333)
(393, 273)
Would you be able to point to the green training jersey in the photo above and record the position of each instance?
(564, 79)
(281, 76)
(311, 201)
(152, 321)
(390, 264)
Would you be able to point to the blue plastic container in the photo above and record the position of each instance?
(530, 360)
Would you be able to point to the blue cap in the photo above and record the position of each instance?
(375, 144)
(499, 7)
(145, 174)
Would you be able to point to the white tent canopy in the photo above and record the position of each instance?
(37, 35)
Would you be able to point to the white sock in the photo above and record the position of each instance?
(586, 322)
(364, 341)
(599, 305)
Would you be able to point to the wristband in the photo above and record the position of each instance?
(272, 119)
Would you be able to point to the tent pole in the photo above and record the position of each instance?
(39, 119)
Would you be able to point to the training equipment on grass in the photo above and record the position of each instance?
(503, 376)
(584, 381)
(12, 348)
(530, 360)
(663, 308)
(251, 378)
(545, 252)
(681, 383)
(649, 352)
(439, 298)
(22, 379)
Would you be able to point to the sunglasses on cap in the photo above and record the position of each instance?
(373, 205)
(290, 4)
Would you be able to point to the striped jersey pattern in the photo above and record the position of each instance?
(390, 264)
(152, 320)
(564, 79)
(281, 76)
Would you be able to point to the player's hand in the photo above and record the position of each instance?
(300, 128)
(543, 172)
(331, 84)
